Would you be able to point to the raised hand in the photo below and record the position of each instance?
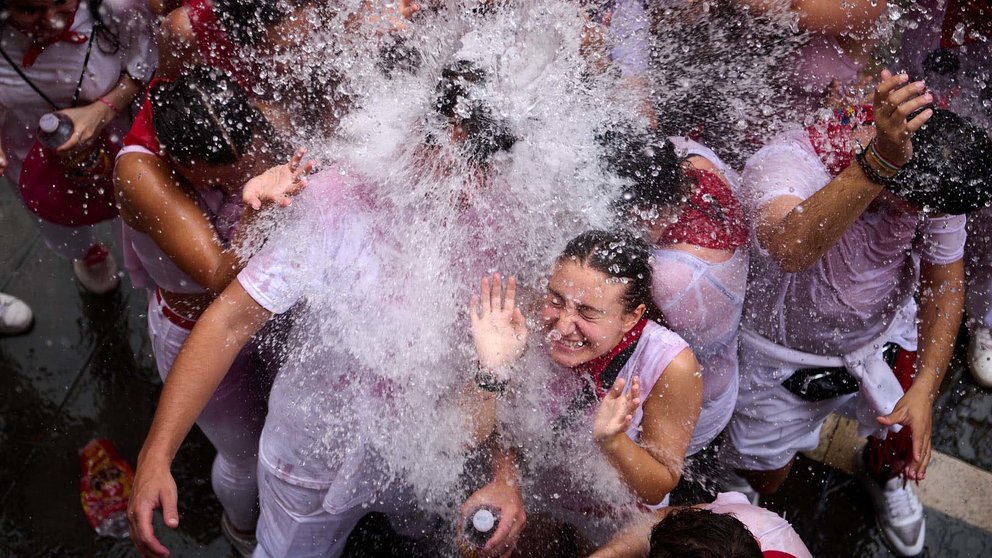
(894, 101)
(278, 184)
(498, 327)
(616, 411)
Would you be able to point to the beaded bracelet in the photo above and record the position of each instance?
(873, 174)
(109, 104)
(882, 160)
(488, 381)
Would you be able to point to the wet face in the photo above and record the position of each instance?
(584, 314)
(41, 19)
(227, 178)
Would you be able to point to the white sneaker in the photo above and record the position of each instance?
(898, 512)
(97, 272)
(980, 356)
(15, 316)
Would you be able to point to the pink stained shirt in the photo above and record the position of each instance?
(849, 296)
(772, 532)
(299, 443)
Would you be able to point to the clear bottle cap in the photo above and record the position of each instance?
(483, 520)
(49, 123)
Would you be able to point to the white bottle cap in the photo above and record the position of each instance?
(483, 520)
(49, 123)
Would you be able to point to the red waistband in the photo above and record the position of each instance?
(172, 315)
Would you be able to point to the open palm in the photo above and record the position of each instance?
(498, 327)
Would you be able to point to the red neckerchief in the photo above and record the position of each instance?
(972, 20)
(712, 218)
(596, 366)
(37, 47)
(833, 139)
(142, 132)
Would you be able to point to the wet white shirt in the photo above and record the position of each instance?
(847, 298)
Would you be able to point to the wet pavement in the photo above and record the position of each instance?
(86, 370)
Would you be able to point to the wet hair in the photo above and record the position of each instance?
(245, 21)
(654, 172)
(453, 100)
(618, 255)
(700, 533)
(396, 55)
(206, 117)
(951, 168)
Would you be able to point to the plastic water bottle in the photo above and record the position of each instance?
(105, 482)
(54, 129)
(88, 166)
(480, 525)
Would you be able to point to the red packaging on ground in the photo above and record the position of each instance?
(105, 481)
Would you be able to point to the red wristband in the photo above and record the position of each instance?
(109, 104)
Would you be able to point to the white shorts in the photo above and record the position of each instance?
(771, 424)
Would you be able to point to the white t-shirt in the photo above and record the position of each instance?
(772, 532)
(56, 72)
(848, 297)
(299, 443)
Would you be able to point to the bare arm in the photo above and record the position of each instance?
(831, 17)
(177, 44)
(89, 120)
(635, 540)
(941, 308)
(153, 201)
(652, 468)
(797, 233)
(226, 326)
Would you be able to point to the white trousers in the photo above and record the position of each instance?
(232, 420)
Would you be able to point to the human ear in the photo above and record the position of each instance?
(631, 318)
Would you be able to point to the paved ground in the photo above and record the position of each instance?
(86, 370)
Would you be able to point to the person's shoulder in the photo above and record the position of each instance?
(177, 28)
(660, 340)
(791, 142)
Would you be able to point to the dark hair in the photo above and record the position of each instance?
(618, 255)
(700, 533)
(245, 21)
(951, 168)
(648, 162)
(204, 116)
(396, 55)
(486, 135)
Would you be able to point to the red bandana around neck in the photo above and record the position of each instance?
(833, 139)
(597, 366)
(68, 35)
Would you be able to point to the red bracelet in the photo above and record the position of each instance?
(109, 104)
